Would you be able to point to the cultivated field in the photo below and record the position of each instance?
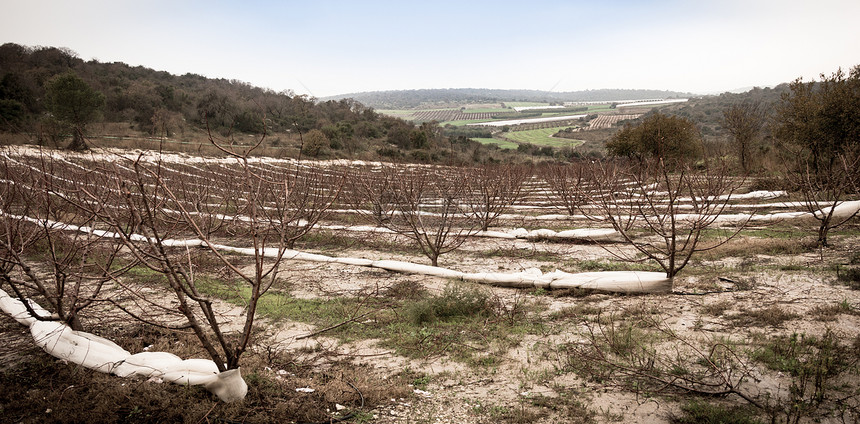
(333, 260)
(607, 121)
(541, 137)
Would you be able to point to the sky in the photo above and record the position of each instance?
(325, 48)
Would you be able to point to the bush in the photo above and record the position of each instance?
(850, 276)
(454, 302)
(701, 412)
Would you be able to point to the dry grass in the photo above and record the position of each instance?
(38, 388)
(771, 316)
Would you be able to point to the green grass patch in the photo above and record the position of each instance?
(464, 322)
(604, 265)
(513, 252)
(503, 144)
(542, 137)
(802, 355)
(142, 275)
(276, 305)
(779, 233)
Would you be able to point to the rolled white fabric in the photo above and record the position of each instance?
(103, 355)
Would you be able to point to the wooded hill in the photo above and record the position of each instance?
(409, 99)
(144, 96)
(707, 111)
(187, 107)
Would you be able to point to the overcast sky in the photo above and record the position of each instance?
(326, 48)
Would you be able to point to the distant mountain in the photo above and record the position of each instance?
(409, 99)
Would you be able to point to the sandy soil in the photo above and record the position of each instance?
(458, 393)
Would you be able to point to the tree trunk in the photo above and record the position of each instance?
(78, 142)
(822, 235)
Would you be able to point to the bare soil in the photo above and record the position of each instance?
(702, 307)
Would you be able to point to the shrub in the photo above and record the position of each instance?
(706, 413)
(454, 302)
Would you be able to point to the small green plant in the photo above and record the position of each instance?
(813, 363)
(604, 265)
(716, 308)
(421, 382)
(454, 302)
(772, 316)
(849, 276)
(698, 412)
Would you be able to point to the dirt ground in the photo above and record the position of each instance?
(532, 371)
(532, 381)
(763, 321)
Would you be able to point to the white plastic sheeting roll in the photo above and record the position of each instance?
(103, 355)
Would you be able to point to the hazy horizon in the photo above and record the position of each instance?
(332, 48)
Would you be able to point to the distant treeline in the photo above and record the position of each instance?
(409, 99)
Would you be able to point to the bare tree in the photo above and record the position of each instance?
(134, 207)
(270, 213)
(41, 258)
(428, 209)
(822, 194)
(493, 189)
(569, 185)
(744, 121)
(370, 192)
(653, 198)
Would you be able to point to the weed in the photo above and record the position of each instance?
(603, 265)
(698, 412)
(513, 252)
(716, 308)
(578, 311)
(749, 247)
(801, 355)
(813, 364)
(421, 382)
(831, 312)
(454, 302)
(406, 290)
(772, 316)
(849, 276)
(325, 241)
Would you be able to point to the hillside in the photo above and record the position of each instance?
(408, 99)
(157, 109)
(147, 108)
(707, 111)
